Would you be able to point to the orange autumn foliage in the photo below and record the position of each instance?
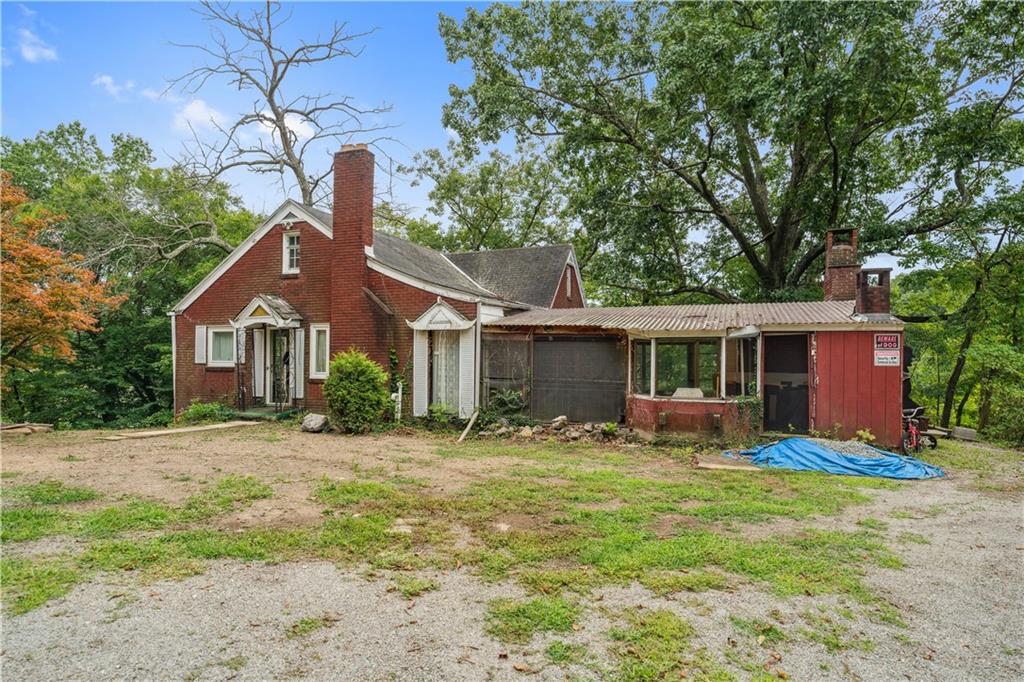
(44, 293)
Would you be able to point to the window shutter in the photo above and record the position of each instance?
(200, 344)
(467, 371)
(419, 374)
(258, 364)
(299, 355)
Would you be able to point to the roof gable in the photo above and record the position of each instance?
(290, 211)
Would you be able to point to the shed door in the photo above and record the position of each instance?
(583, 378)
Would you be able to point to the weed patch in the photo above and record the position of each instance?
(518, 621)
(652, 645)
(564, 653)
(50, 492)
(413, 586)
(28, 584)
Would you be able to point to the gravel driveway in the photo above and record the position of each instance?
(961, 595)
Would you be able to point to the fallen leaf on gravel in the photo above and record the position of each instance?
(760, 640)
(783, 675)
(576, 626)
(523, 668)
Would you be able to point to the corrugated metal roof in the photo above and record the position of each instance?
(683, 318)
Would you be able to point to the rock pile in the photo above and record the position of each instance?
(559, 428)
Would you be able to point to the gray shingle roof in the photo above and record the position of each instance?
(423, 263)
(713, 317)
(528, 275)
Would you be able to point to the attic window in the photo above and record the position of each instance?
(290, 253)
(568, 283)
(874, 279)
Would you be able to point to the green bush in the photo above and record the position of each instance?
(205, 413)
(356, 391)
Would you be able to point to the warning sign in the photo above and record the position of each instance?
(887, 358)
(887, 342)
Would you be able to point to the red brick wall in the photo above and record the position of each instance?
(681, 416)
(562, 300)
(852, 392)
(256, 272)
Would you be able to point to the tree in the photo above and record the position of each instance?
(282, 130)
(500, 201)
(734, 135)
(45, 294)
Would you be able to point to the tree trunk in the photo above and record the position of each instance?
(962, 403)
(985, 404)
(954, 378)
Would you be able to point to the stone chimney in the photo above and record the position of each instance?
(873, 291)
(353, 198)
(841, 265)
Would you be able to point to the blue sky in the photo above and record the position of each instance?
(105, 64)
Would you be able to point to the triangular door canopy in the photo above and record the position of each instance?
(267, 309)
(440, 317)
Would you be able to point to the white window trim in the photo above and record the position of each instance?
(568, 283)
(210, 362)
(285, 270)
(313, 329)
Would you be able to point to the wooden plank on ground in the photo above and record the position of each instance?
(127, 435)
(719, 462)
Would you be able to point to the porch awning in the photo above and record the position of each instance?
(270, 310)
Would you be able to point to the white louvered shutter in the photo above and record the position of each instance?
(200, 344)
(420, 364)
(258, 363)
(299, 353)
(467, 372)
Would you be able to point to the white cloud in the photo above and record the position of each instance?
(197, 115)
(7, 61)
(25, 11)
(302, 128)
(113, 88)
(159, 95)
(33, 49)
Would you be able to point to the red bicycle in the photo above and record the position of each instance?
(913, 439)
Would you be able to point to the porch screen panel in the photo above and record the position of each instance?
(506, 364)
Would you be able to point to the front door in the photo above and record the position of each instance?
(280, 381)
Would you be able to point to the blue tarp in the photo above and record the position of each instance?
(802, 454)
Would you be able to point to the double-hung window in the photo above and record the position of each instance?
(319, 350)
(290, 253)
(221, 345)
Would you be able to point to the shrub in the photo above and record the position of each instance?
(205, 413)
(356, 391)
(610, 430)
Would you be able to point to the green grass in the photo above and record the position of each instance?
(20, 524)
(228, 494)
(564, 653)
(50, 492)
(413, 586)
(518, 621)
(664, 583)
(873, 524)
(833, 633)
(653, 645)
(9, 474)
(28, 584)
(762, 631)
(347, 493)
(307, 626)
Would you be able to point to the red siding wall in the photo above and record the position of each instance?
(562, 300)
(852, 392)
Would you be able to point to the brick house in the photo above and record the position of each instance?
(261, 327)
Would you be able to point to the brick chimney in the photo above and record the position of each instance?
(353, 321)
(873, 291)
(353, 197)
(841, 265)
